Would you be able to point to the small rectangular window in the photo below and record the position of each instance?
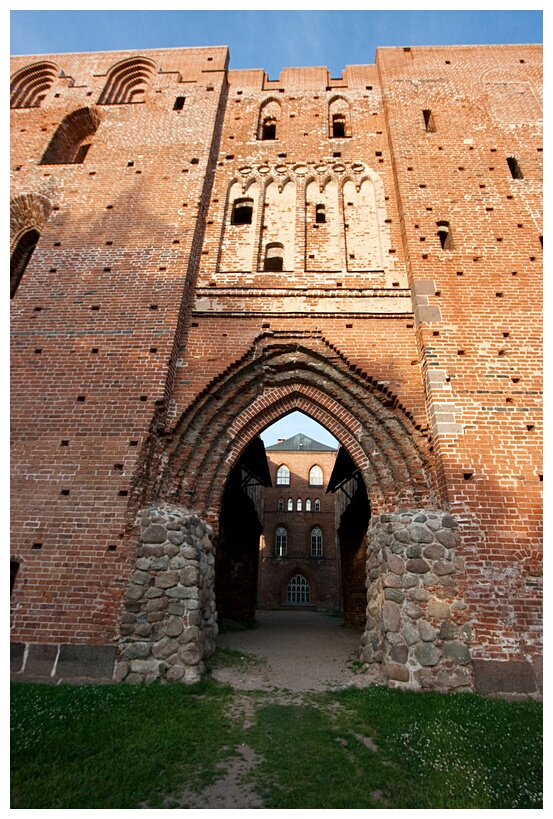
(242, 211)
(445, 235)
(429, 121)
(514, 167)
(14, 568)
(179, 104)
(268, 129)
(338, 126)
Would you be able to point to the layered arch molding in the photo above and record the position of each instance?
(275, 378)
(29, 86)
(70, 142)
(127, 81)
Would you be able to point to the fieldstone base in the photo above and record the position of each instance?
(169, 623)
(417, 626)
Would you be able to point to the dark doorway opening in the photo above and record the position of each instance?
(352, 536)
(237, 546)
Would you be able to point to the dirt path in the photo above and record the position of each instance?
(293, 650)
(290, 654)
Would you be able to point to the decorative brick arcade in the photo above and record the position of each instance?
(197, 251)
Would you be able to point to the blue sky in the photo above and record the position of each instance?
(270, 40)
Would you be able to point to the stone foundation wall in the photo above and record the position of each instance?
(169, 622)
(417, 626)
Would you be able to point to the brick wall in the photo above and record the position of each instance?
(150, 343)
(481, 357)
(322, 572)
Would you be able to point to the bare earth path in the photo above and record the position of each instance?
(298, 651)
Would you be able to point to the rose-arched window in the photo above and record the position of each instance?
(315, 476)
(283, 476)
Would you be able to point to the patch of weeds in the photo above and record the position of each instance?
(415, 750)
(355, 665)
(330, 769)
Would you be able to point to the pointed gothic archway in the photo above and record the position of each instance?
(407, 534)
(279, 374)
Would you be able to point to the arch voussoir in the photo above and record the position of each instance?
(274, 380)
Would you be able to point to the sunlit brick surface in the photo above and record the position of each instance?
(386, 279)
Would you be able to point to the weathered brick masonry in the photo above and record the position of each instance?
(196, 252)
(299, 528)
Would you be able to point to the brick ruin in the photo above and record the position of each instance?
(196, 252)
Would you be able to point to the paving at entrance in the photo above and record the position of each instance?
(294, 650)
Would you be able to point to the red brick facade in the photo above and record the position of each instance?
(153, 335)
(295, 511)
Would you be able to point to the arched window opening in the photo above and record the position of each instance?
(274, 258)
(281, 542)
(21, 257)
(316, 542)
(283, 476)
(70, 143)
(320, 214)
(242, 211)
(308, 505)
(14, 568)
(280, 505)
(339, 122)
(317, 505)
(315, 476)
(298, 590)
(269, 115)
(298, 505)
(338, 126)
(268, 130)
(444, 233)
(290, 505)
(30, 85)
(127, 82)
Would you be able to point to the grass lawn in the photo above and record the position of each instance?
(127, 746)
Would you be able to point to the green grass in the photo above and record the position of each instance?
(114, 746)
(127, 746)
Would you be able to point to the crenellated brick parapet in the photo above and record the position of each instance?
(169, 623)
(417, 625)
